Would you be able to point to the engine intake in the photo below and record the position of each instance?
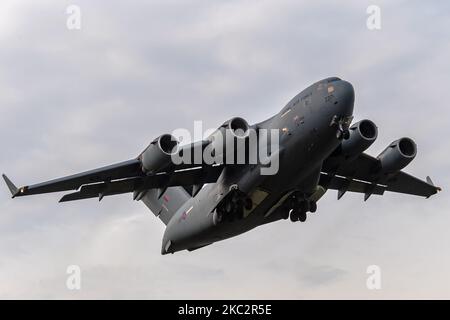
(230, 140)
(157, 155)
(362, 135)
(397, 155)
(239, 127)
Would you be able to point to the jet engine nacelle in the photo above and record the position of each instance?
(157, 155)
(397, 155)
(231, 138)
(362, 135)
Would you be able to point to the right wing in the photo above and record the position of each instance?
(126, 169)
(191, 177)
(123, 177)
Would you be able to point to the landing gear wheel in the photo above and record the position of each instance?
(248, 204)
(342, 134)
(217, 217)
(304, 206)
(284, 212)
(294, 215)
(240, 212)
(346, 134)
(302, 216)
(229, 207)
(312, 206)
(239, 203)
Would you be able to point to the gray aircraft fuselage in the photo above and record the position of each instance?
(307, 138)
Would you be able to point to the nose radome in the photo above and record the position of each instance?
(345, 97)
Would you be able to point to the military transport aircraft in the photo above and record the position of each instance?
(204, 202)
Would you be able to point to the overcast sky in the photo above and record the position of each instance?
(72, 100)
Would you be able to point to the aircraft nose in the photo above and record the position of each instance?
(345, 98)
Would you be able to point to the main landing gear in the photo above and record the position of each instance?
(232, 207)
(298, 206)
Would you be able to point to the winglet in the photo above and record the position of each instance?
(14, 190)
(430, 182)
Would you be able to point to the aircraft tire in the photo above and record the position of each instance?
(346, 134)
(312, 206)
(285, 213)
(304, 206)
(229, 207)
(302, 216)
(217, 218)
(248, 204)
(294, 216)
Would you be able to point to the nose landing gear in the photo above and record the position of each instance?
(342, 124)
(342, 134)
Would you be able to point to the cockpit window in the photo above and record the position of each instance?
(332, 79)
(326, 82)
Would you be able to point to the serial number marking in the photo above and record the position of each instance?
(226, 309)
(247, 309)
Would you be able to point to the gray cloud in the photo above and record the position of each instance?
(322, 275)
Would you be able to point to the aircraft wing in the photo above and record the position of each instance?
(195, 176)
(116, 171)
(118, 178)
(358, 175)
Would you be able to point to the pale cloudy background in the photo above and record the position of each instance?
(76, 100)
